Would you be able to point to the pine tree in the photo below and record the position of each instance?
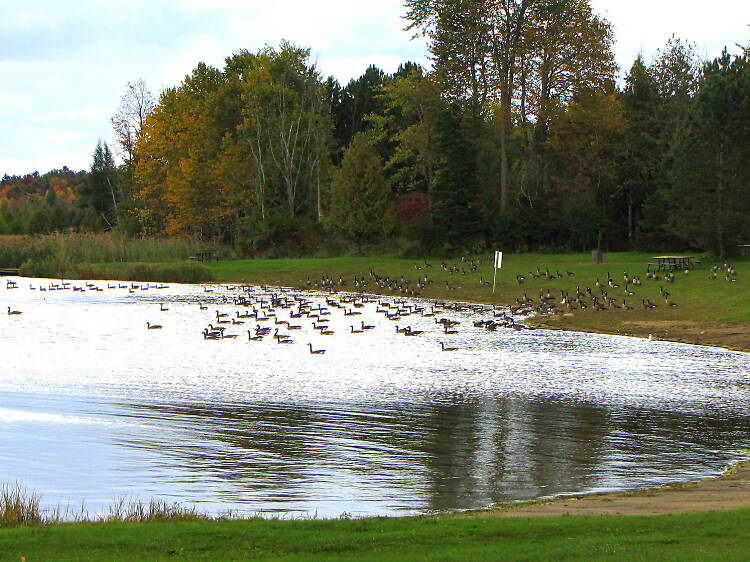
(711, 188)
(454, 189)
(361, 205)
(100, 191)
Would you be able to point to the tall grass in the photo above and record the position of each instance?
(18, 507)
(123, 511)
(67, 249)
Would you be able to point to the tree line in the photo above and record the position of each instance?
(519, 137)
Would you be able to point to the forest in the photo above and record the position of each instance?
(522, 136)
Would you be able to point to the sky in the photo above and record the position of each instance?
(64, 64)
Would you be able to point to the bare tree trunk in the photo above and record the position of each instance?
(720, 202)
(260, 185)
(630, 218)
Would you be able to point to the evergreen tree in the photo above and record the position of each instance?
(643, 149)
(711, 188)
(361, 205)
(100, 191)
(454, 191)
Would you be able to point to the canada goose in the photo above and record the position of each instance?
(257, 337)
(11, 312)
(442, 346)
(201, 306)
(279, 336)
(410, 332)
(221, 314)
(153, 326)
(355, 331)
(236, 322)
(316, 351)
(367, 326)
(447, 331)
(162, 307)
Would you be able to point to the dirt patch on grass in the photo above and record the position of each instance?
(731, 336)
(730, 491)
(734, 336)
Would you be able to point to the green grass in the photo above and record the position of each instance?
(707, 536)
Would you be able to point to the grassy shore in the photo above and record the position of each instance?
(701, 536)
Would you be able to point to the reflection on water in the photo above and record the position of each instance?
(94, 406)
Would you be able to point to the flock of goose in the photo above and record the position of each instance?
(608, 295)
(284, 316)
(276, 313)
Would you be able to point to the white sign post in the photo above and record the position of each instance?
(498, 265)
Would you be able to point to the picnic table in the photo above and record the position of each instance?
(673, 262)
(202, 255)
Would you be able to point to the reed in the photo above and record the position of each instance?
(19, 507)
(137, 511)
(77, 248)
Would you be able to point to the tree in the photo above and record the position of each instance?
(642, 141)
(361, 205)
(130, 118)
(99, 193)
(404, 131)
(711, 179)
(585, 144)
(497, 53)
(676, 72)
(454, 197)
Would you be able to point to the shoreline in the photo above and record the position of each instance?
(726, 492)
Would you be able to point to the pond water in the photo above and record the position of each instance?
(95, 407)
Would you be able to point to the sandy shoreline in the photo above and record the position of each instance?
(726, 492)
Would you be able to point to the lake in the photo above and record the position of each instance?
(94, 406)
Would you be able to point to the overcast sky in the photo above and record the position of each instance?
(65, 64)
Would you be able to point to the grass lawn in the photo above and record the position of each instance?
(706, 536)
